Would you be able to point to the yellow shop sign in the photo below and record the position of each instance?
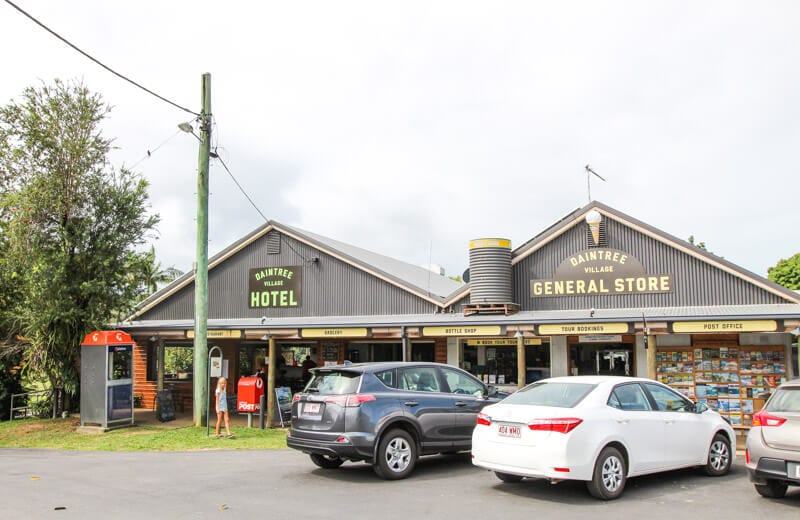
(510, 342)
(354, 332)
(478, 330)
(217, 334)
(725, 326)
(582, 328)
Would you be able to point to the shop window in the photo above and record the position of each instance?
(423, 352)
(251, 359)
(178, 362)
(294, 355)
(498, 365)
(369, 352)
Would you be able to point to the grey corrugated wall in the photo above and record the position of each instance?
(694, 282)
(330, 288)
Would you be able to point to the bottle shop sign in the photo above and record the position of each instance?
(601, 271)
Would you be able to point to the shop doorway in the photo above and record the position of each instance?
(358, 352)
(613, 359)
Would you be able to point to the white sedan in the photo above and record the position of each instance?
(599, 429)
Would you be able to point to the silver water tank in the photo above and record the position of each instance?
(490, 271)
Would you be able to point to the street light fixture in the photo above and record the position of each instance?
(189, 129)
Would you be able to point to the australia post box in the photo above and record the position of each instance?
(249, 394)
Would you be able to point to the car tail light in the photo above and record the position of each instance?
(763, 418)
(747, 456)
(350, 401)
(484, 419)
(295, 397)
(559, 425)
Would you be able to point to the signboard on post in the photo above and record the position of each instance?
(215, 366)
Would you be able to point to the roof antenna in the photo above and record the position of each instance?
(588, 180)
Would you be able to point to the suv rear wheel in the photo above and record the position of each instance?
(397, 455)
(773, 489)
(325, 461)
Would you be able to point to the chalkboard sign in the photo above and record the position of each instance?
(165, 407)
(330, 352)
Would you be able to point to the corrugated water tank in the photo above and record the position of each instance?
(490, 271)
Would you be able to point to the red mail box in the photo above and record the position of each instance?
(249, 394)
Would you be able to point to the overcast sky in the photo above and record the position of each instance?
(409, 128)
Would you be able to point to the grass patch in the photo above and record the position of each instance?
(60, 434)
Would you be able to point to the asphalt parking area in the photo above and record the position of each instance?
(286, 484)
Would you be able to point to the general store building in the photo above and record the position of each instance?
(597, 292)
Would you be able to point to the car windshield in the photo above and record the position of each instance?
(333, 382)
(562, 395)
(785, 400)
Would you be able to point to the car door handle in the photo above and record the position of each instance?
(623, 421)
(461, 403)
(669, 421)
(411, 403)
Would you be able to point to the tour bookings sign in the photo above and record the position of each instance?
(598, 272)
(275, 287)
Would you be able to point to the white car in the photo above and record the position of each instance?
(599, 429)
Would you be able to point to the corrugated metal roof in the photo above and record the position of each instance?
(415, 279)
(415, 276)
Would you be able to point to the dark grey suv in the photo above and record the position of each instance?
(387, 414)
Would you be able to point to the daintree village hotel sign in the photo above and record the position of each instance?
(275, 287)
(601, 271)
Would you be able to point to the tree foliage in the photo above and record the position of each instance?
(786, 272)
(154, 276)
(70, 226)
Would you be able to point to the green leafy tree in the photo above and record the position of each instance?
(786, 272)
(71, 226)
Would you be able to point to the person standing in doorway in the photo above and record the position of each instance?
(307, 365)
(222, 407)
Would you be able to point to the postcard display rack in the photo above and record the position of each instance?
(734, 381)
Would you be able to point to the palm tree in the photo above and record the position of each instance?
(153, 275)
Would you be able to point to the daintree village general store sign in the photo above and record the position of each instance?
(275, 287)
(601, 271)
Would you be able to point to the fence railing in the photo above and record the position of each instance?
(35, 404)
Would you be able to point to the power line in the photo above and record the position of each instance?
(215, 155)
(154, 150)
(109, 69)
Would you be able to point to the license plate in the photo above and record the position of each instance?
(507, 430)
(310, 408)
(793, 470)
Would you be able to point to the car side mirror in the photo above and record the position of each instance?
(491, 391)
(700, 407)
